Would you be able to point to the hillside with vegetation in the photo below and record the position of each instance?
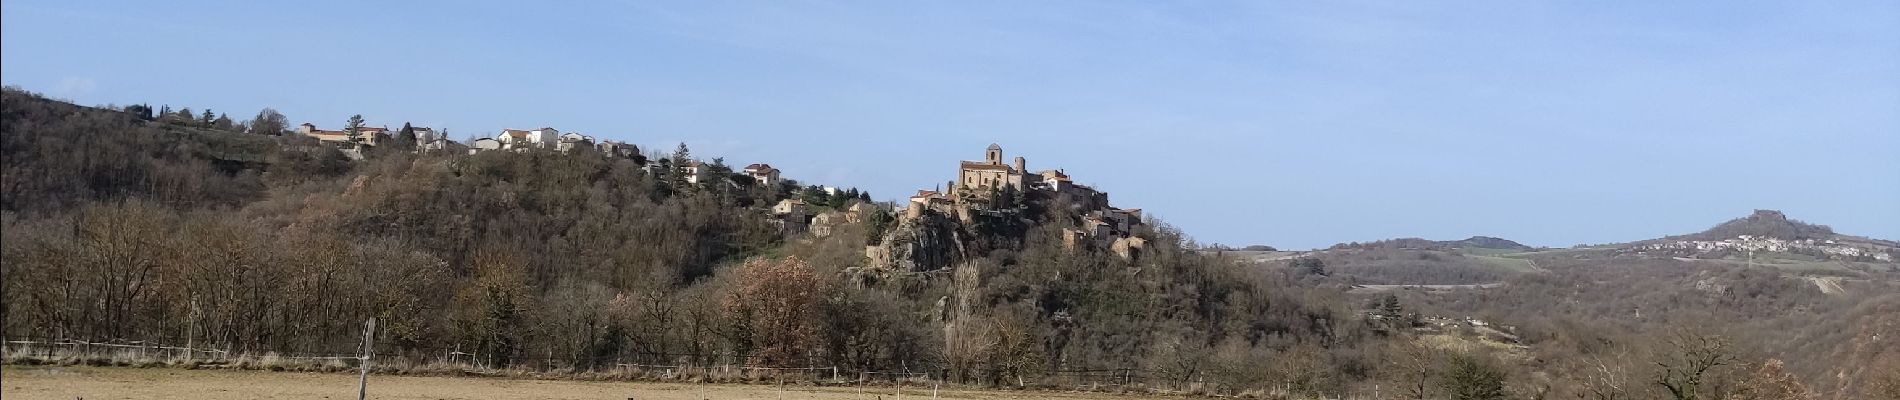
(1812, 299)
(133, 225)
(146, 229)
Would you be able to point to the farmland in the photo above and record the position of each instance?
(65, 383)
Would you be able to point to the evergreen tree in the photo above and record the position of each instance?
(405, 138)
(141, 111)
(837, 201)
(1473, 377)
(718, 176)
(223, 122)
(1310, 265)
(682, 158)
(184, 116)
(354, 127)
(207, 118)
(814, 195)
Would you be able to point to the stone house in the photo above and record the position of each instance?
(572, 140)
(789, 207)
(991, 173)
(792, 215)
(428, 140)
(617, 149)
(1123, 220)
(928, 200)
(369, 135)
(1053, 180)
(483, 144)
(823, 223)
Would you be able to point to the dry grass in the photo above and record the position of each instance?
(65, 356)
(69, 382)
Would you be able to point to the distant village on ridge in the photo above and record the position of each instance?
(981, 188)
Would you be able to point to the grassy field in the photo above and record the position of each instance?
(68, 383)
(1480, 251)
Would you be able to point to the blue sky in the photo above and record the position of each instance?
(1293, 124)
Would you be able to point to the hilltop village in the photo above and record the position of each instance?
(990, 197)
(546, 138)
(928, 232)
(979, 182)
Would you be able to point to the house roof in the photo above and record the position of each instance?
(515, 132)
(984, 165)
(926, 193)
(759, 167)
(315, 131)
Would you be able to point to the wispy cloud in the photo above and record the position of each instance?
(74, 87)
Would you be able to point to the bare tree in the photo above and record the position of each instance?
(1688, 360)
(1413, 368)
(1772, 382)
(1606, 376)
(269, 122)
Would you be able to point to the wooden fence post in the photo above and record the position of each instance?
(369, 350)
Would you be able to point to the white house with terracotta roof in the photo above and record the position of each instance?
(763, 173)
(694, 170)
(529, 138)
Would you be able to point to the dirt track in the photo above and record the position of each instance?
(68, 383)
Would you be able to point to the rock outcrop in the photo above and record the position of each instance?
(926, 243)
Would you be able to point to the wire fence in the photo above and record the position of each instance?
(459, 362)
(719, 367)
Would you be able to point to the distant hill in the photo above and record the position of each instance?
(1487, 242)
(1768, 232)
(1763, 223)
(1474, 242)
